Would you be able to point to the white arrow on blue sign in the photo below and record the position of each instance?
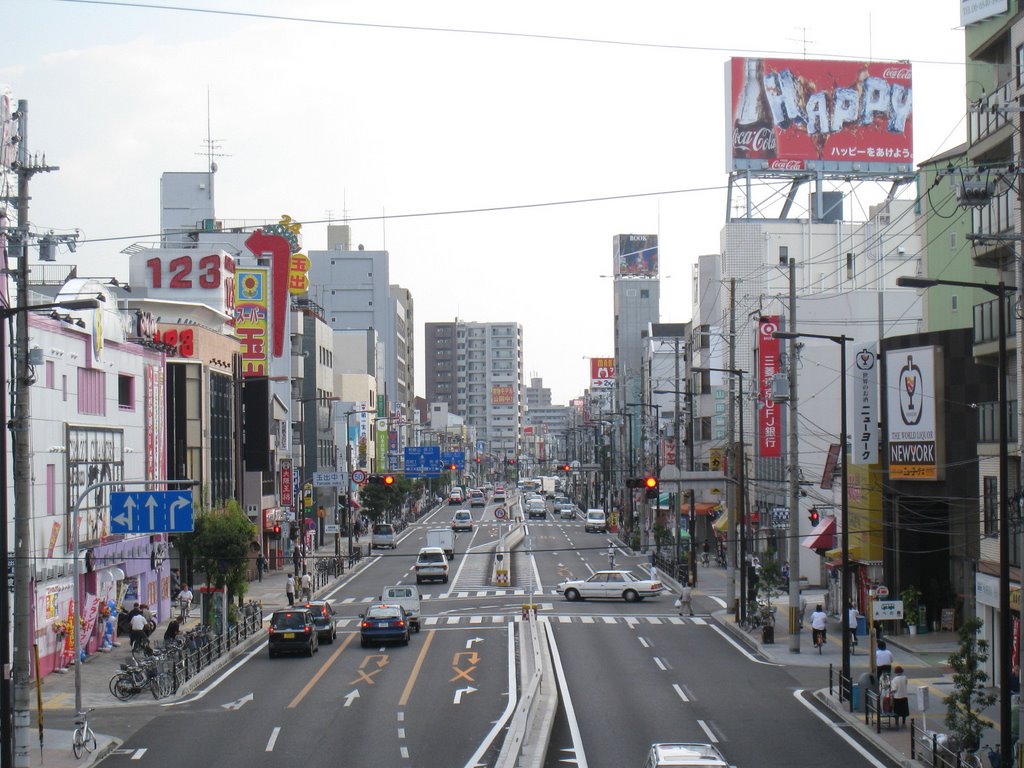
(150, 512)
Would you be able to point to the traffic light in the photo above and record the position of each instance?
(566, 468)
(814, 516)
(478, 459)
(651, 484)
(293, 531)
(634, 482)
(387, 480)
(453, 467)
(276, 531)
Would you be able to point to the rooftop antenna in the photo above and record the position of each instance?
(802, 39)
(212, 145)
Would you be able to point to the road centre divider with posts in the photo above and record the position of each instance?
(501, 570)
(529, 732)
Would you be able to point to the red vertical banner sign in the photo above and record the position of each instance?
(769, 422)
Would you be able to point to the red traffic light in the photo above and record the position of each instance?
(814, 516)
(650, 483)
(453, 467)
(566, 468)
(277, 530)
(389, 479)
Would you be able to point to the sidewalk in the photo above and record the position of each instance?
(922, 656)
(58, 689)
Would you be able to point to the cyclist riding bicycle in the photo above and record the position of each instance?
(819, 625)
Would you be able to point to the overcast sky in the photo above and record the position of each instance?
(403, 115)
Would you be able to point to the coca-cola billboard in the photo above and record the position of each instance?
(797, 114)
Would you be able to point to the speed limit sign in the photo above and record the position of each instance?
(358, 476)
(499, 513)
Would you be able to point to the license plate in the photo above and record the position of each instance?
(289, 635)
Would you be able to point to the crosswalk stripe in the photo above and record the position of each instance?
(653, 620)
(587, 619)
(349, 600)
(453, 620)
(497, 619)
(475, 619)
(565, 619)
(462, 594)
(701, 622)
(342, 623)
(430, 620)
(482, 593)
(611, 619)
(676, 620)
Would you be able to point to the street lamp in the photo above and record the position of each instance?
(844, 492)
(741, 484)
(1000, 290)
(22, 516)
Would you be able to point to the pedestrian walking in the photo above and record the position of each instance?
(684, 603)
(883, 660)
(289, 588)
(653, 571)
(611, 556)
(900, 704)
(307, 587)
(851, 624)
(261, 564)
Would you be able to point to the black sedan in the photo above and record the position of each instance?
(292, 630)
(323, 620)
(382, 623)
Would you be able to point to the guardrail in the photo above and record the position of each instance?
(529, 732)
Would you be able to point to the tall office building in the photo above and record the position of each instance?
(477, 369)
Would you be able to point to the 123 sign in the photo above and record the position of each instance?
(186, 275)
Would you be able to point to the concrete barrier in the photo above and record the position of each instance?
(501, 568)
(529, 732)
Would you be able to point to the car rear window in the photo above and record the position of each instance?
(383, 613)
(380, 529)
(400, 592)
(289, 620)
(432, 557)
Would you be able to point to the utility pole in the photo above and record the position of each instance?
(22, 671)
(794, 479)
(736, 555)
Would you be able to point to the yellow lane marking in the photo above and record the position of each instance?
(416, 669)
(320, 673)
(56, 701)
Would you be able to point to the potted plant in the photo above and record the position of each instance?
(911, 597)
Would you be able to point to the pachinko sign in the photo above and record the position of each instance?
(793, 114)
(252, 321)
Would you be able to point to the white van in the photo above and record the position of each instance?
(383, 535)
(596, 521)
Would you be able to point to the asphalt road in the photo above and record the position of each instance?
(630, 674)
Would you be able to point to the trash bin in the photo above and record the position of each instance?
(855, 695)
(864, 683)
(768, 634)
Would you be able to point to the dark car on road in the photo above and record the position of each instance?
(292, 631)
(323, 620)
(382, 623)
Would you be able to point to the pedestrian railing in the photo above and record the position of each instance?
(205, 648)
(939, 750)
(840, 686)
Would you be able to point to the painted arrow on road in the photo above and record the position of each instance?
(461, 691)
(351, 697)
(238, 704)
(472, 640)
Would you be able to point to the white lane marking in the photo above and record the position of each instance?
(711, 734)
(698, 622)
(475, 619)
(587, 619)
(538, 587)
(565, 619)
(653, 620)
(679, 690)
(348, 600)
(401, 733)
(138, 753)
(563, 687)
(513, 688)
(217, 681)
(743, 650)
(644, 642)
(273, 738)
(611, 619)
(632, 621)
(405, 753)
(430, 620)
(675, 620)
(401, 717)
(462, 594)
(661, 666)
(720, 601)
(839, 729)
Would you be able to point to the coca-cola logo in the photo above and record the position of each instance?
(786, 165)
(896, 73)
(760, 140)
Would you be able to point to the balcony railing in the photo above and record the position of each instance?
(988, 425)
(996, 217)
(989, 118)
(986, 321)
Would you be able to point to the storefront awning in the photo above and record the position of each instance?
(823, 536)
(701, 509)
(721, 525)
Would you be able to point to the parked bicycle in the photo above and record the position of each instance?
(136, 677)
(83, 739)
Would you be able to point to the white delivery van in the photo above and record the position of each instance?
(596, 521)
(406, 596)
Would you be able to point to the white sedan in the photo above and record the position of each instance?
(611, 584)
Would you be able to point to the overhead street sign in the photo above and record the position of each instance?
(423, 461)
(458, 458)
(151, 512)
(321, 479)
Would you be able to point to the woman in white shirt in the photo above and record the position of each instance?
(900, 703)
(818, 626)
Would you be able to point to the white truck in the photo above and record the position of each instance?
(406, 596)
(443, 538)
(548, 487)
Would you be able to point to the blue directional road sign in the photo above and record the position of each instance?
(423, 461)
(151, 512)
(458, 458)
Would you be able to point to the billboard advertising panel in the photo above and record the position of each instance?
(252, 322)
(635, 256)
(978, 10)
(769, 416)
(795, 114)
(602, 372)
(911, 391)
(502, 394)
